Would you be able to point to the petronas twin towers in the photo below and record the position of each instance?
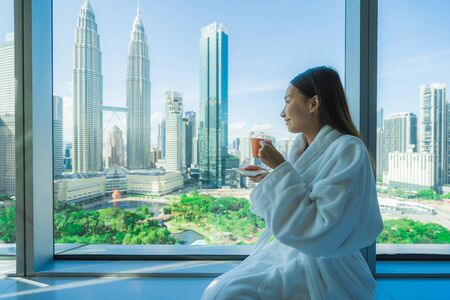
(88, 96)
(138, 99)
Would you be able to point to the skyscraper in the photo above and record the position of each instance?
(380, 152)
(184, 125)
(245, 150)
(58, 160)
(174, 131)
(138, 99)
(381, 159)
(116, 150)
(399, 134)
(380, 118)
(448, 141)
(213, 117)
(7, 92)
(162, 138)
(432, 133)
(195, 151)
(7, 124)
(7, 154)
(191, 133)
(155, 155)
(88, 94)
(68, 157)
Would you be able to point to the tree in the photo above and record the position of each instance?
(407, 231)
(8, 224)
(428, 194)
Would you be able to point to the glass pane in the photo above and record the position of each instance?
(155, 107)
(7, 140)
(413, 126)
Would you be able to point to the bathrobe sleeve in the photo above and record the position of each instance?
(334, 215)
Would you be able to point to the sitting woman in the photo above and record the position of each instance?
(320, 205)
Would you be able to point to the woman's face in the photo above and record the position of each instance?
(300, 112)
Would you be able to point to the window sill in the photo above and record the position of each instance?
(133, 268)
(412, 269)
(188, 268)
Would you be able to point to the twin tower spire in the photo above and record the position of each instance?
(88, 96)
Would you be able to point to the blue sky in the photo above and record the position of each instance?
(257, 31)
(269, 43)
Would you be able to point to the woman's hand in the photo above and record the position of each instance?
(269, 154)
(258, 178)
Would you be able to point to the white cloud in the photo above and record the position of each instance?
(156, 118)
(236, 126)
(262, 127)
(428, 62)
(237, 129)
(260, 88)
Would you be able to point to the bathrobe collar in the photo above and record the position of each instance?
(301, 158)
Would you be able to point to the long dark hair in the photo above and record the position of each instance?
(333, 110)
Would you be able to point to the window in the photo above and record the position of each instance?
(7, 137)
(154, 107)
(413, 80)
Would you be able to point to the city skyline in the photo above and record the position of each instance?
(263, 128)
(417, 61)
(171, 69)
(216, 90)
(413, 151)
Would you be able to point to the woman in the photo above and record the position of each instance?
(320, 205)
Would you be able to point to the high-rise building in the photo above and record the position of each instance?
(448, 141)
(155, 155)
(7, 122)
(380, 151)
(236, 144)
(58, 161)
(138, 99)
(213, 117)
(184, 125)
(7, 154)
(411, 171)
(116, 150)
(432, 133)
(88, 94)
(380, 118)
(162, 138)
(195, 151)
(174, 131)
(68, 157)
(7, 91)
(284, 146)
(399, 134)
(245, 150)
(191, 133)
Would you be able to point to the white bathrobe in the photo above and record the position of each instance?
(321, 206)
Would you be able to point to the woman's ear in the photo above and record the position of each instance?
(314, 104)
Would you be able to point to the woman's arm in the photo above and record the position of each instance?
(328, 217)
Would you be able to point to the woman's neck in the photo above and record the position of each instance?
(310, 136)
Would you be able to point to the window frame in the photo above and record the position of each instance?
(34, 123)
